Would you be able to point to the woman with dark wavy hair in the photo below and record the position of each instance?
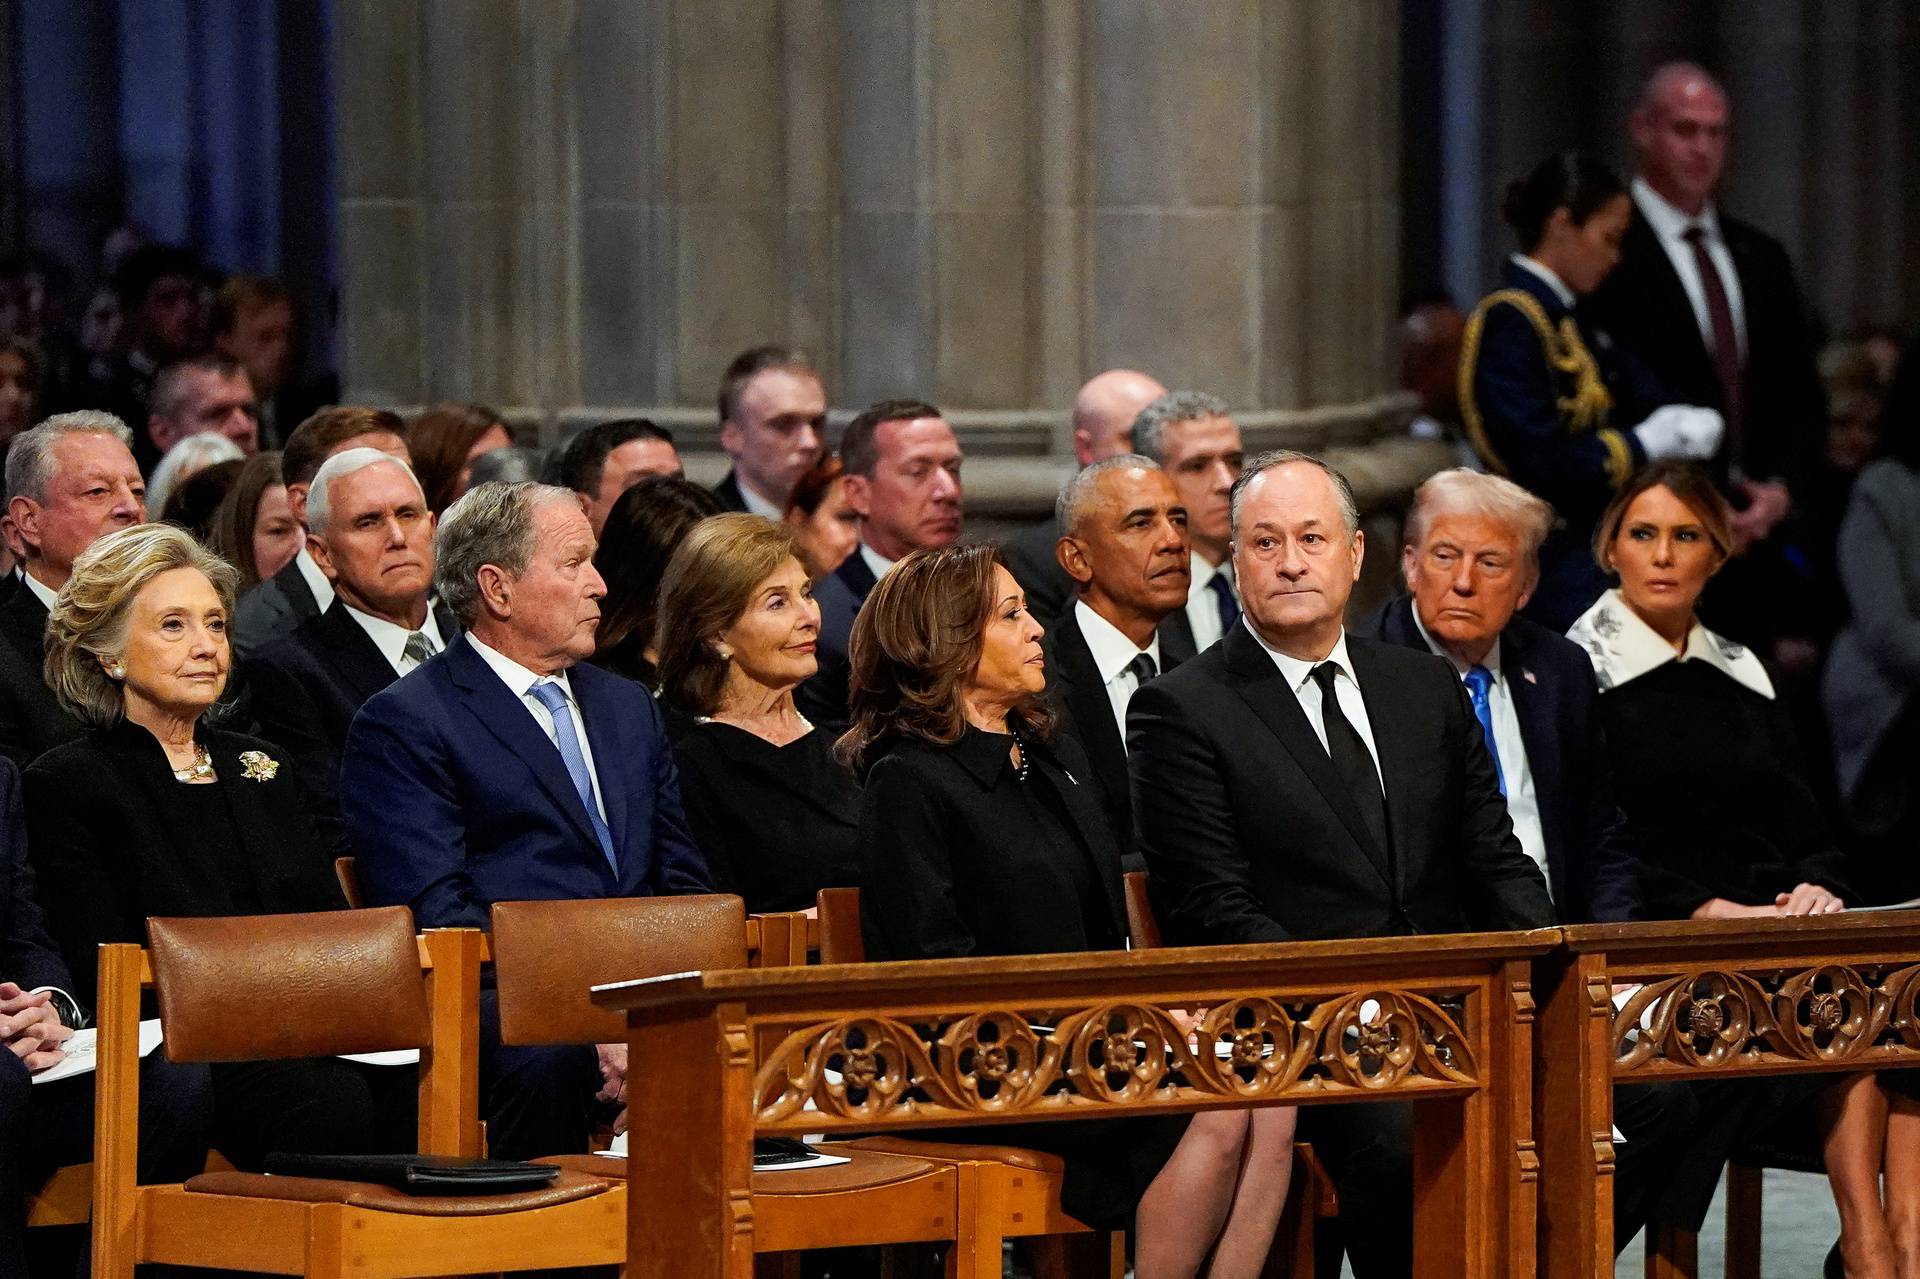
(977, 837)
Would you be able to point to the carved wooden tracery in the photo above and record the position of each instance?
(931, 1065)
(1715, 1018)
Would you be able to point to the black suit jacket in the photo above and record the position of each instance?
(1643, 305)
(1251, 836)
(1593, 868)
(305, 691)
(1029, 556)
(111, 846)
(274, 608)
(31, 718)
(28, 956)
(823, 699)
(728, 492)
(1079, 697)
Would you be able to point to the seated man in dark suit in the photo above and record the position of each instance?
(1103, 413)
(1294, 782)
(371, 533)
(1124, 547)
(70, 480)
(49, 1126)
(903, 481)
(300, 591)
(602, 462)
(508, 769)
(1471, 559)
(773, 424)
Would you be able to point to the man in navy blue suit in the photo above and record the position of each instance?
(504, 770)
(1471, 558)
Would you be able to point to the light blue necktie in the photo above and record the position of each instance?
(554, 699)
(1479, 682)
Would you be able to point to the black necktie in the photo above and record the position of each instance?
(1142, 668)
(1351, 759)
(1223, 596)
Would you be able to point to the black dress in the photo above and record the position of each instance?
(777, 823)
(114, 839)
(961, 857)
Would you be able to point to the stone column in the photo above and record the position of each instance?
(573, 209)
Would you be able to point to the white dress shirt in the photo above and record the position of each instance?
(1523, 800)
(40, 590)
(877, 564)
(520, 681)
(1299, 677)
(1112, 651)
(391, 639)
(1203, 606)
(1546, 275)
(757, 505)
(316, 580)
(1670, 228)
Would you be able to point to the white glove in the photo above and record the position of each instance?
(1680, 430)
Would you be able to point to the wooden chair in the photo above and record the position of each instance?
(543, 973)
(275, 987)
(349, 881)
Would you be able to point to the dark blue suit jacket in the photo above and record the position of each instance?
(455, 799)
(823, 698)
(1591, 860)
(28, 956)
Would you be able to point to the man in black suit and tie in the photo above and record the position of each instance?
(602, 462)
(1710, 305)
(1293, 782)
(1471, 559)
(300, 591)
(1190, 434)
(1124, 547)
(903, 481)
(1103, 414)
(70, 480)
(773, 424)
(371, 533)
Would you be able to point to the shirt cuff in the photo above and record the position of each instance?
(71, 1015)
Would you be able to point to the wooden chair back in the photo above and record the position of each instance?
(349, 881)
(841, 941)
(1141, 924)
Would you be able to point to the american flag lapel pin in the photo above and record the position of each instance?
(1528, 676)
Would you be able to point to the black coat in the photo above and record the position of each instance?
(29, 957)
(112, 845)
(31, 717)
(1591, 861)
(728, 492)
(274, 608)
(1643, 305)
(306, 689)
(823, 698)
(1250, 835)
(952, 865)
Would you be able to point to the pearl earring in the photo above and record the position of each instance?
(118, 671)
(724, 654)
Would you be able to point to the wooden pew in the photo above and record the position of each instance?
(1442, 1022)
(1831, 994)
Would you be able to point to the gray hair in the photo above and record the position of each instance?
(1260, 463)
(185, 460)
(490, 524)
(1459, 491)
(30, 463)
(339, 466)
(1171, 409)
(169, 397)
(1078, 493)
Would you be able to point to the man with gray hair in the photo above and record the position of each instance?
(1123, 544)
(1294, 782)
(1191, 435)
(507, 769)
(70, 480)
(371, 532)
(1471, 559)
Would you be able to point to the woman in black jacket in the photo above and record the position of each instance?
(977, 837)
(155, 812)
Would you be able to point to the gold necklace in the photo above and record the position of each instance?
(201, 767)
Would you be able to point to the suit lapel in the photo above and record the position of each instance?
(1259, 683)
(1092, 711)
(293, 584)
(1534, 707)
(352, 654)
(609, 764)
(1672, 300)
(856, 576)
(1176, 639)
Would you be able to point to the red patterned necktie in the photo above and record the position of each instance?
(1726, 343)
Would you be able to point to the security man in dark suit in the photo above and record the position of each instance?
(1471, 559)
(1295, 782)
(1124, 547)
(773, 424)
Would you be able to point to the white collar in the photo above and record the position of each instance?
(755, 504)
(39, 589)
(1491, 661)
(1623, 648)
(1112, 651)
(877, 564)
(316, 581)
(1298, 671)
(518, 679)
(391, 638)
(1547, 276)
(1200, 572)
(1668, 222)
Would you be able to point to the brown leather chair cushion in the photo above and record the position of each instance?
(361, 1194)
(547, 955)
(1014, 1156)
(1142, 926)
(841, 941)
(264, 987)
